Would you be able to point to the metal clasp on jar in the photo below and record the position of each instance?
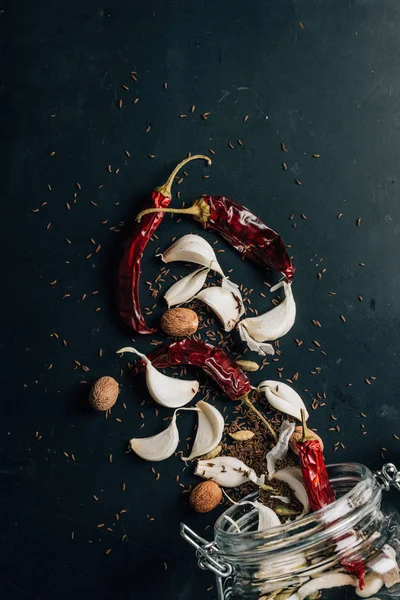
(388, 477)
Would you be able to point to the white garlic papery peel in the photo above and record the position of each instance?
(209, 431)
(282, 397)
(326, 582)
(160, 446)
(283, 499)
(372, 585)
(167, 391)
(279, 451)
(226, 301)
(192, 248)
(185, 289)
(294, 479)
(227, 471)
(271, 325)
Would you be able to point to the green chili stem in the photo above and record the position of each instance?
(251, 406)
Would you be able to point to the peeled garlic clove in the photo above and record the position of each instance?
(267, 518)
(226, 301)
(185, 289)
(325, 582)
(280, 450)
(294, 479)
(271, 325)
(158, 447)
(192, 248)
(372, 585)
(167, 391)
(283, 398)
(385, 564)
(209, 431)
(227, 471)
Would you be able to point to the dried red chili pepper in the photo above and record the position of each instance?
(357, 568)
(128, 278)
(242, 229)
(214, 361)
(315, 476)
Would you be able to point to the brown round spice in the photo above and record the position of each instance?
(179, 322)
(205, 496)
(298, 433)
(104, 393)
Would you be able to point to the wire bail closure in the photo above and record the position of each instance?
(389, 477)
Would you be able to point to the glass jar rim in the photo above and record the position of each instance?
(326, 514)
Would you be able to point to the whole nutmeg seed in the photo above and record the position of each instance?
(104, 393)
(179, 322)
(205, 496)
(298, 433)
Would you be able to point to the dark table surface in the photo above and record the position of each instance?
(319, 76)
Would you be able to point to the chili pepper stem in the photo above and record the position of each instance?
(199, 210)
(251, 406)
(165, 189)
(306, 435)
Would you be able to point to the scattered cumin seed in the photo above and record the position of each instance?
(315, 155)
(52, 153)
(284, 167)
(72, 535)
(182, 116)
(151, 156)
(231, 145)
(123, 538)
(240, 142)
(298, 182)
(396, 437)
(109, 550)
(95, 498)
(342, 318)
(283, 147)
(360, 298)
(303, 216)
(110, 458)
(358, 222)
(127, 153)
(340, 215)
(165, 566)
(48, 225)
(147, 128)
(124, 487)
(165, 85)
(211, 151)
(136, 100)
(192, 108)
(120, 103)
(66, 454)
(362, 414)
(362, 264)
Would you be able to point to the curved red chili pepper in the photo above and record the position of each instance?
(128, 277)
(242, 229)
(214, 361)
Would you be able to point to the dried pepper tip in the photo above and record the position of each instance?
(250, 405)
(165, 189)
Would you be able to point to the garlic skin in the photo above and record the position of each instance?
(293, 477)
(192, 248)
(282, 397)
(325, 582)
(226, 301)
(167, 391)
(271, 325)
(227, 471)
(160, 446)
(280, 450)
(185, 289)
(267, 518)
(209, 431)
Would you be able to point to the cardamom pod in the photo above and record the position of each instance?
(212, 453)
(242, 435)
(248, 365)
(285, 511)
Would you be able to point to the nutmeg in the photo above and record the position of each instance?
(205, 496)
(104, 393)
(298, 433)
(179, 322)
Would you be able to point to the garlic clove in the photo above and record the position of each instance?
(226, 301)
(267, 518)
(282, 397)
(209, 431)
(271, 325)
(185, 289)
(227, 471)
(325, 582)
(192, 248)
(262, 348)
(372, 584)
(385, 564)
(167, 391)
(280, 450)
(293, 477)
(160, 446)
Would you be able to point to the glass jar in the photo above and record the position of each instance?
(274, 564)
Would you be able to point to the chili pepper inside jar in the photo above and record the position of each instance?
(305, 556)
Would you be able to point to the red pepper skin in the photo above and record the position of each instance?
(128, 277)
(214, 361)
(248, 234)
(315, 476)
(357, 568)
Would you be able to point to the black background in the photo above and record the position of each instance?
(320, 76)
